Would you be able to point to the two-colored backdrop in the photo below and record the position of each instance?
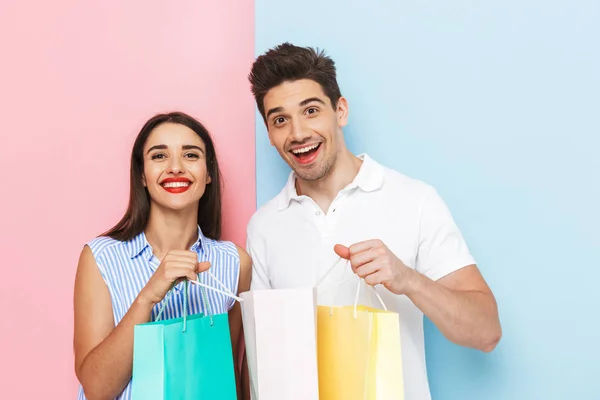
(497, 104)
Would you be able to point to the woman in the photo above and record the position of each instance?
(173, 221)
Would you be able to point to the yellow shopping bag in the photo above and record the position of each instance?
(359, 353)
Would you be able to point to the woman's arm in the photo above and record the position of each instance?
(103, 352)
(235, 319)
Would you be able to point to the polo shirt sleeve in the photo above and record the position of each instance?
(256, 249)
(442, 248)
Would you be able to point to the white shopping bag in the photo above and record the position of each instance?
(281, 343)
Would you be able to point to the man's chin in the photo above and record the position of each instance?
(308, 174)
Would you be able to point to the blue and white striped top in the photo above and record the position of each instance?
(126, 267)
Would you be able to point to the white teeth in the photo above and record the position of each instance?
(176, 184)
(305, 149)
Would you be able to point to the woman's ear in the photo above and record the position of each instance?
(144, 180)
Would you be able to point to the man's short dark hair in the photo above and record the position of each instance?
(288, 63)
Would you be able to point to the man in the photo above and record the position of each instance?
(396, 232)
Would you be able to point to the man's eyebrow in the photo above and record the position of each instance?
(302, 103)
(274, 110)
(310, 100)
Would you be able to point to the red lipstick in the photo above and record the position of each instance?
(176, 185)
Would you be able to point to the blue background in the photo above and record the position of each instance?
(496, 104)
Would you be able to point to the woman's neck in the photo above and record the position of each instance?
(171, 230)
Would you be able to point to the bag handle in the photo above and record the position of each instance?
(358, 291)
(205, 301)
(185, 304)
(225, 290)
(356, 297)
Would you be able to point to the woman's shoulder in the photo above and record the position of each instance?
(102, 244)
(231, 250)
(232, 261)
(223, 247)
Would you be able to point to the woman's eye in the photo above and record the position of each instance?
(192, 155)
(158, 156)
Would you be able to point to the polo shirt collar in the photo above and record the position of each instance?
(369, 178)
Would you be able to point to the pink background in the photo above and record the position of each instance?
(77, 81)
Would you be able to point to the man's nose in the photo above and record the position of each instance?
(299, 131)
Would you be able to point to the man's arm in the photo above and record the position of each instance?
(460, 304)
(445, 284)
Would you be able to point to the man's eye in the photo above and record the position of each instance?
(279, 120)
(312, 110)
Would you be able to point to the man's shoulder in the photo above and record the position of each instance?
(405, 184)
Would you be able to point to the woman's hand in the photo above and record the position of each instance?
(176, 265)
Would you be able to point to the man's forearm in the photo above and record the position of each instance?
(467, 318)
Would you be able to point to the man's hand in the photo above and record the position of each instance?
(373, 261)
(460, 304)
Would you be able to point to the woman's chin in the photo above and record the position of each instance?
(179, 206)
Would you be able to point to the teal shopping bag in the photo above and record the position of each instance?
(184, 358)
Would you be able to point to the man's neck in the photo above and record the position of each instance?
(325, 190)
(171, 230)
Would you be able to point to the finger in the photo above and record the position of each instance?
(181, 254)
(175, 273)
(342, 251)
(362, 246)
(181, 264)
(359, 259)
(180, 260)
(374, 279)
(367, 269)
(202, 266)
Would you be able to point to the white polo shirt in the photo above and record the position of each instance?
(290, 240)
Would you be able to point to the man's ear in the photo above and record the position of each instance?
(342, 111)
